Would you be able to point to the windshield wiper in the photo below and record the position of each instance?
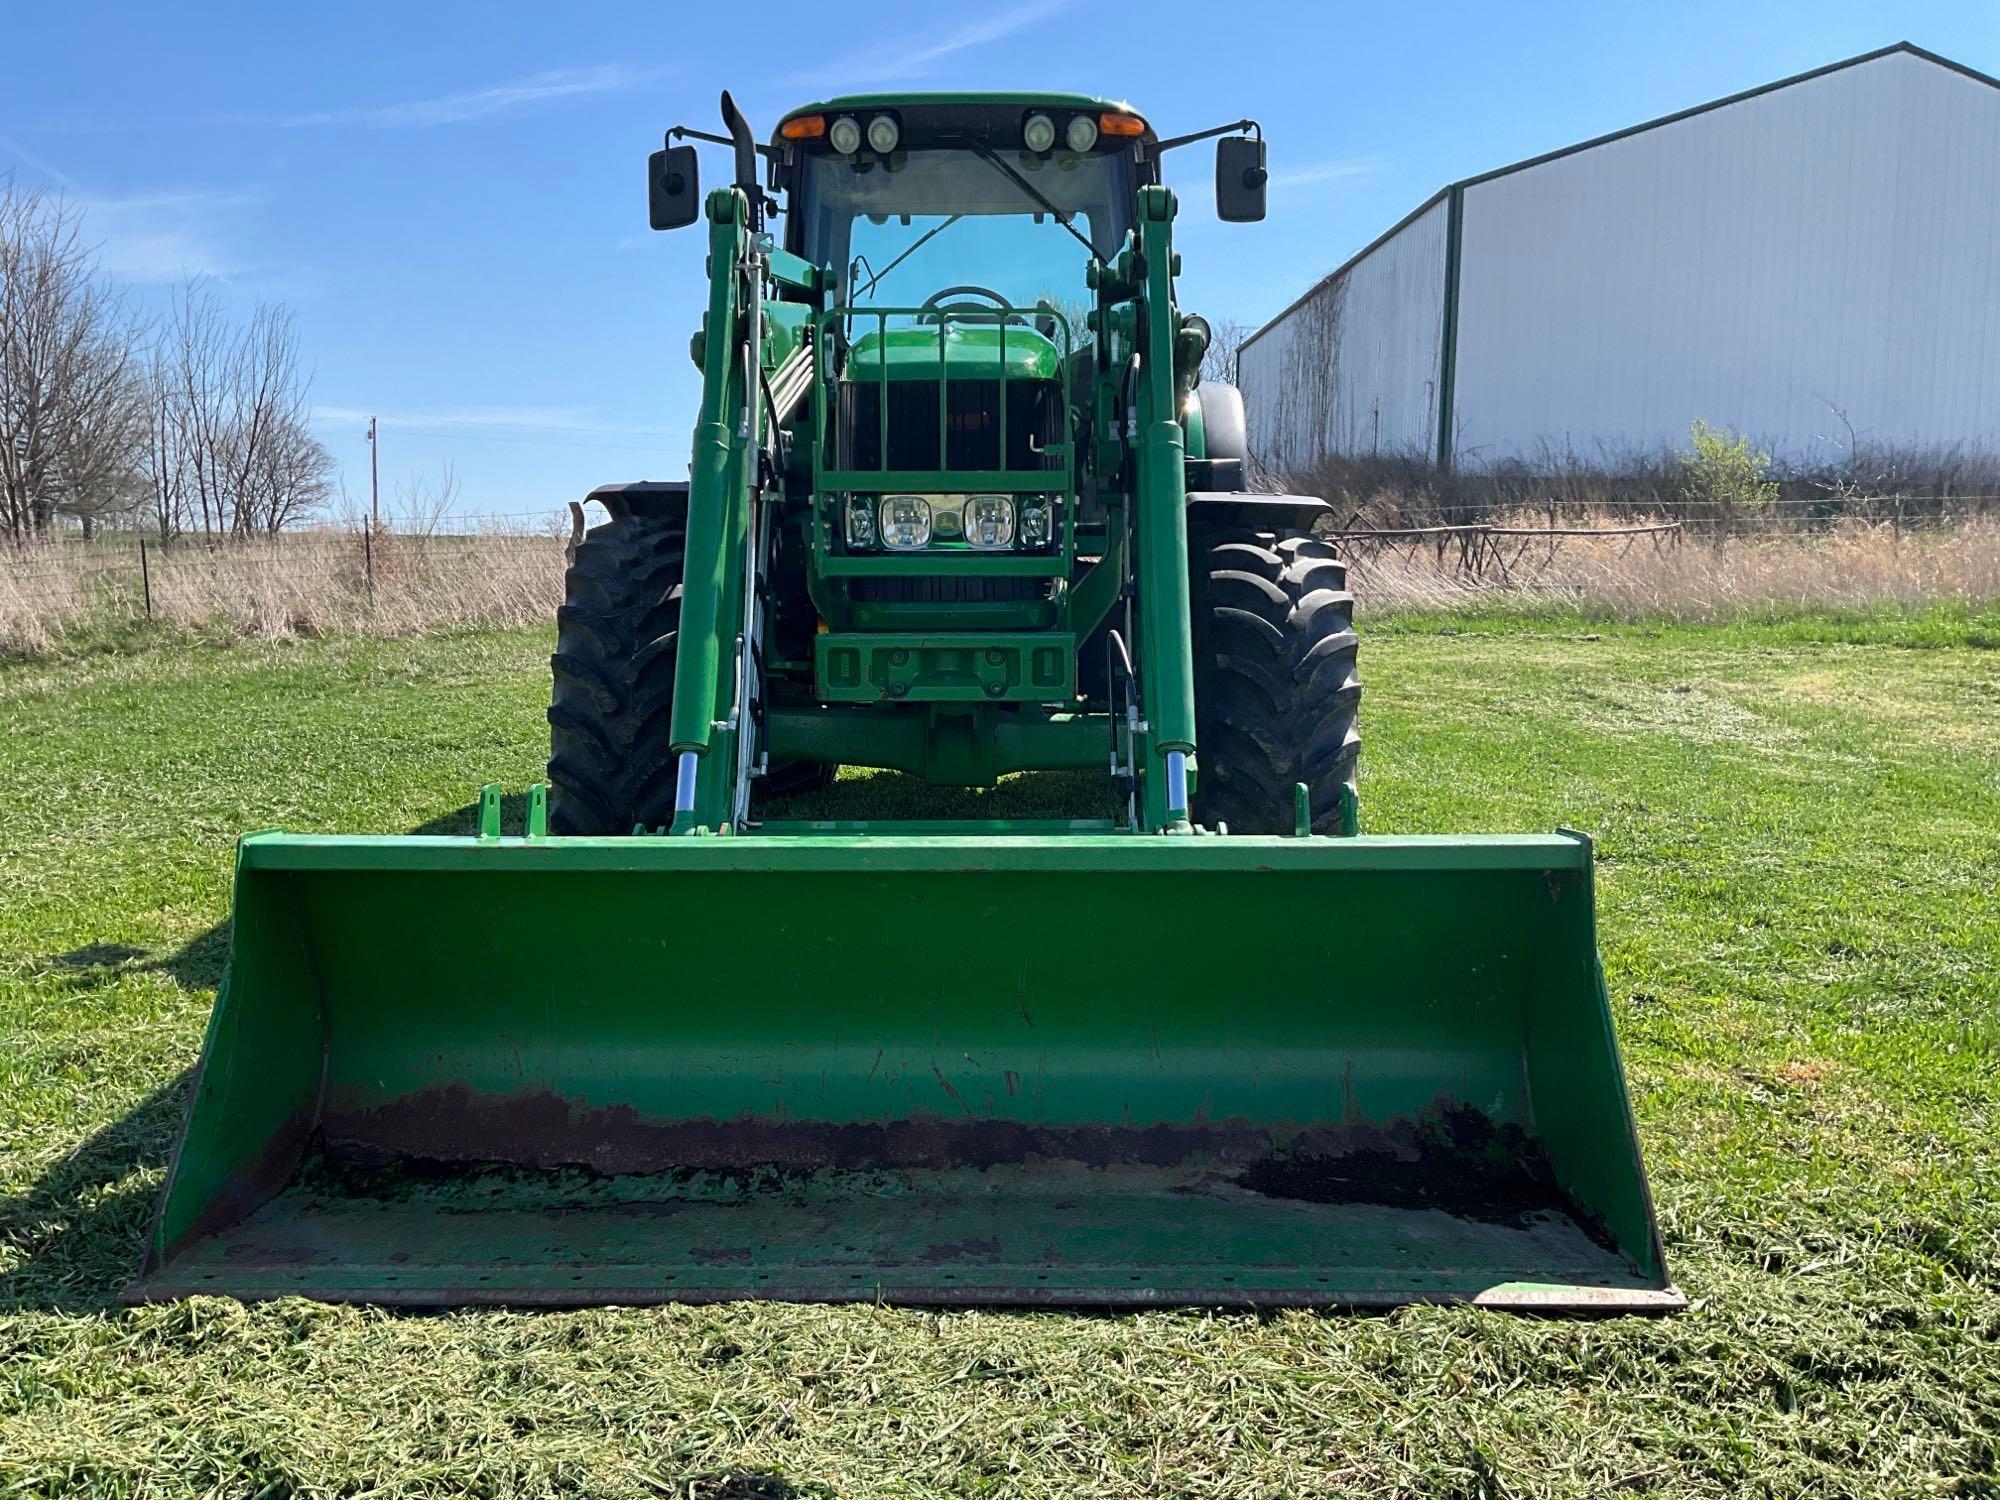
(986, 153)
(921, 240)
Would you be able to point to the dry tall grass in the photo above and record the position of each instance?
(1707, 576)
(310, 584)
(57, 597)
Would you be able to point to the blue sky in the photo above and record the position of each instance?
(451, 195)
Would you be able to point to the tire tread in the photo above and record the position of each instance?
(1276, 687)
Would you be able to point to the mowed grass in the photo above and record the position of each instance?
(1799, 831)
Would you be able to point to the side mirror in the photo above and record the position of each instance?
(1240, 179)
(673, 187)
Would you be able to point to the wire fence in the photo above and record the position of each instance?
(1640, 566)
(495, 570)
(124, 562)
(507, 569)
(1780, 511)
(1503, 555)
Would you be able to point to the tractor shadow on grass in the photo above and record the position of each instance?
(198, 963)
(78, 1231)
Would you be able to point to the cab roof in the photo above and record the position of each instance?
(949, 104)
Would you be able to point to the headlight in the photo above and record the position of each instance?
(860, 522)
(883, 133)
(845, 136)
(1037, 525)
(1039, 133)
(1082, 133)
(906, 521)
(989, 521)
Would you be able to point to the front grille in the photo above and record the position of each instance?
(948, 590)
(1034, 420)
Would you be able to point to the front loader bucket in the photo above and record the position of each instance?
(1089, 1069)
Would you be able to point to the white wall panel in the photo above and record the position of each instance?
(1833, 245)
(1353, 367)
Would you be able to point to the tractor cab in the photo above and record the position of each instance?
(954, 246)
(962, 235)
(959, 239)
(1029, 189)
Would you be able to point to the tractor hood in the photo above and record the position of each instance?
(966, 352)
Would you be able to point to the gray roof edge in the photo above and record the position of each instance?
(1349, 264)
(1909, 48)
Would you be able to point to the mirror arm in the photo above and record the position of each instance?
(683, 132)
(1207, 135)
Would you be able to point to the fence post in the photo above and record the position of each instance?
(146, 578)
(368, 556)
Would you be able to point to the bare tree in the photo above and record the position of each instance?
(168, 445)
(291, 477)
(282, 472)
(192, 376)
(232, 452)
(72, 397)
(1073, 313)
(425, 500)
(1225, 342)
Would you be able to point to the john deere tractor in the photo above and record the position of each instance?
(960, 500)
(960, 506)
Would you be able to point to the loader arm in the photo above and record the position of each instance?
(721, 481)
(1144, 273)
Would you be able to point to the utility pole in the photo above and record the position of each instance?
(374, 480)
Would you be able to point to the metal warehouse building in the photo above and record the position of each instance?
(1815, 253)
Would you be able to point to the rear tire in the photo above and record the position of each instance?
(617, 634)
(1275, 685)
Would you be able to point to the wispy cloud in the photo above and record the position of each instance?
(38, 165)
(473, 104)
(148, 239)
(882, 64)
(1340, 170)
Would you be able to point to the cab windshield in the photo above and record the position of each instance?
(951, 217)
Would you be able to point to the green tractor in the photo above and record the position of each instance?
(935, 421)
(960, 506)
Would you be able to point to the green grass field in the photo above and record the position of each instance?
(1799, 831)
